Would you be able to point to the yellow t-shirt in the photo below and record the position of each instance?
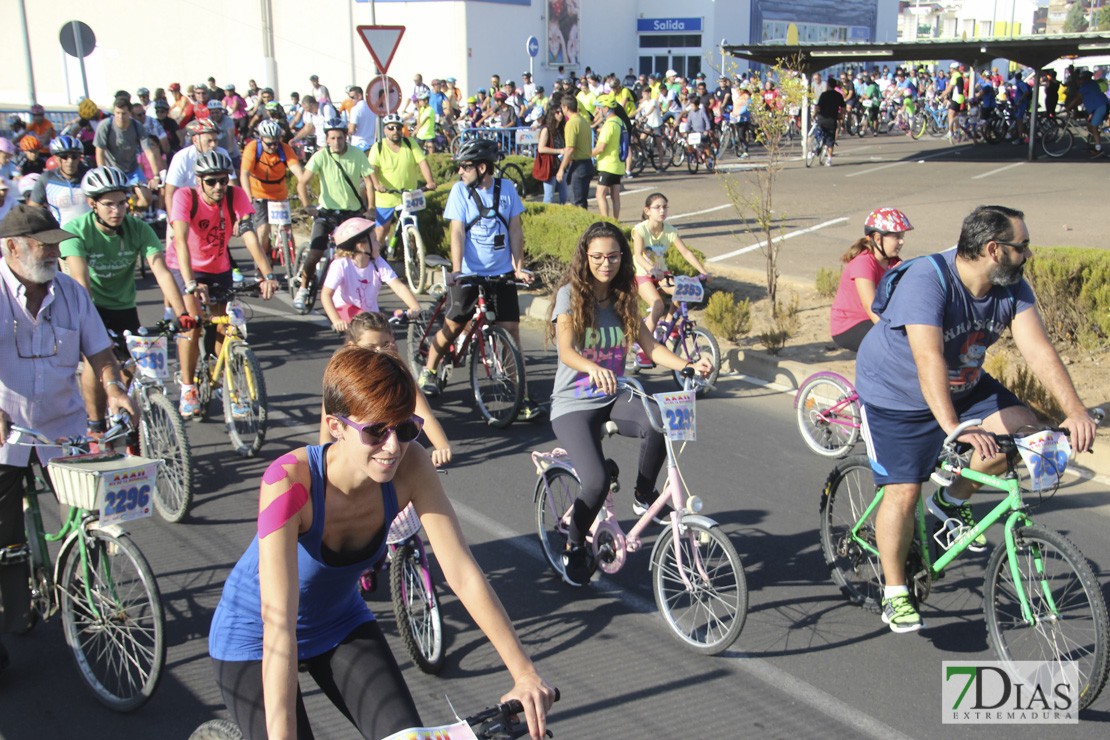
(624, 97)
(610, 136)
(426, 126)
(654, 246)
(586, 103)
(576, 133)
(395, 170)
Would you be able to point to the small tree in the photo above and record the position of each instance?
(1102, 19)
(753, 195)
(1076, 19)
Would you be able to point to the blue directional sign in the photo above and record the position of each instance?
(533, 46)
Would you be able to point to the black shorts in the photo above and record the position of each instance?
(119, 320)
(503, 301)
(953, 105)
(608, 179)
(261, 212)
(222, 279)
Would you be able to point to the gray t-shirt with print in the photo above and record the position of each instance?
(606, 345)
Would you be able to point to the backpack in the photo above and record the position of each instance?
(258, 156)
(889, 281)
(625, 142)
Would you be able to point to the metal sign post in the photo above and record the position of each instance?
(532, 46)
(78, 40)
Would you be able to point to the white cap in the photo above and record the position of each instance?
(670, 73)
(954, 65)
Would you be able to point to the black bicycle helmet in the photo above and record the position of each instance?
(478, 150)
(214, 162)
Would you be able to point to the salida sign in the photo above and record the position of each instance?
(668, 25)
(1021, 692)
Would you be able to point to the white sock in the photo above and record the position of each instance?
(186, 387)
(950, 500)
(889, 592)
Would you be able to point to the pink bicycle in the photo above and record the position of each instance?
(827, 408)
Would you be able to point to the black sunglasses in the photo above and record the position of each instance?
(214, 181)
(392, 127)
(67, 156)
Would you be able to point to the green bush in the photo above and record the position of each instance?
(553, 230)
(828, 282)
(676, 263)
(725, 317)
(1073, 293)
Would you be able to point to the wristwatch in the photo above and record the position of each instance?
(270, 276)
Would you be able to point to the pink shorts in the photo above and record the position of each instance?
(348, 311)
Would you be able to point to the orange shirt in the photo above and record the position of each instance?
(43, 131)
(268, 171)
(346, 105)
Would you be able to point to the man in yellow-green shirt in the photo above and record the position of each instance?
(587, 101)
(395, 160)
(576, 166)
(611, 149)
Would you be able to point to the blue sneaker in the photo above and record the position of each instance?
(301, 298)
(236, 276)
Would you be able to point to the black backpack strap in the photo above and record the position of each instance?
(483, 211)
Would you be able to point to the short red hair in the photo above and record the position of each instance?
(370, 386)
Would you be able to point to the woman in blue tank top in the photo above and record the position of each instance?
(323, 516)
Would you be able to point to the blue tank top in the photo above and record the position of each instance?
(330, 605)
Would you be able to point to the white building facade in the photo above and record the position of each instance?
(280, 43)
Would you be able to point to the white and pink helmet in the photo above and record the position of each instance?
(887, 221)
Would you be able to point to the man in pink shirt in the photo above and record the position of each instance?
(204, 220)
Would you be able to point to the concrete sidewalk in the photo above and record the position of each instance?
(787, 375)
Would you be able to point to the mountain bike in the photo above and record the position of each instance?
(496, 364)
(234, 373)
(1041, 600)
(698, 579)
(111, 608)
(677, 329)
(515, 175)
(700, 151)
(818, 146)
(501, 722)
(161, 428)
(827, 410)
(284, 245)
(408, 231)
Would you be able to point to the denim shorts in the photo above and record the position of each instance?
(903, 446)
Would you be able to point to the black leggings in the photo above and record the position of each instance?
(359, 675)
(851, 339)
(579, 433)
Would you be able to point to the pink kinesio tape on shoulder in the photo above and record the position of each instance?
(282, 508)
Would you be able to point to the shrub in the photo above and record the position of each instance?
(676, 263)
(828, 282)
(1025, 386)
(552, 229)
(783, 325)
(725, 317)
(1073, 293)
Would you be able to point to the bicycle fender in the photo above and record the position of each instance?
(114, 530)
(684, 519)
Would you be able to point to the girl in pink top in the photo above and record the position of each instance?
(865, 263)
(356, 276)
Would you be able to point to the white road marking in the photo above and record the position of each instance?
(876, 169)
(791, 235)
(1000, 169)
(698, 213)
(759, 668)
(907, 161)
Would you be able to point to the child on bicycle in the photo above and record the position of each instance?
(650, 240)
(371, 329)
(292, 599)
(865, 263)
(357, 274)
(594, 319)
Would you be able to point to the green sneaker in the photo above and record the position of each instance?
(529, 410)
(900, 614)
(944, 511)
(428, 382)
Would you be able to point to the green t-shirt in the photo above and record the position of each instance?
(610, 136)
(586, 103)
(426, 128)
(336, 194)
(111, 257)
(395, 170)
(576, 133)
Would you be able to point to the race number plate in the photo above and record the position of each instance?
(1046, 456)
(678, 415)
(458, 731)
(694, 138)
(237, 316)
(688, 289)
(150, 356)
(412, 200)
(278, 212)
(126, 494)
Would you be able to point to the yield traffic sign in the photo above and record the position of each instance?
(382, 42)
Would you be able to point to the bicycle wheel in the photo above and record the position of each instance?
(811, 154)
(710, 161)
(513, 173)
(918, 125)
(298, 271)
(162, 435)
(217, 729)
(245, 408)
(639, 159)
(993, 130)
(496, 370)
(113, 620)
(204, 386)
(678, 154)
(420, 334)
(554, 503)
(417, 610)
(828, 415)
(849, 490)
(1056, 139)
(823, 154)
(706, 611)
(694, 343)
(693, 159)
(415, 269)
(286, 249)
(1069, 613)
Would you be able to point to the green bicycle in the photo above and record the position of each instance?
(1041, 600)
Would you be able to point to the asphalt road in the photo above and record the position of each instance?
(807, 664)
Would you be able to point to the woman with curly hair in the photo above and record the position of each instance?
(594, 320)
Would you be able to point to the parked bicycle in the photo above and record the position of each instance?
(496, 365)
(1041, 600)
(161, 428)
(234, 373)
(111, 608)
(407, 231)
(678, 330)
(698, 579)
(828, 415)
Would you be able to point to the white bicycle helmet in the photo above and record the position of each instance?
(335, 124)
(392, 118)
(269, 129)
(214, 162)
(101, 180)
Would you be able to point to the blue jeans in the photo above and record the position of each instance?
(551, 186)
(577, 177)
